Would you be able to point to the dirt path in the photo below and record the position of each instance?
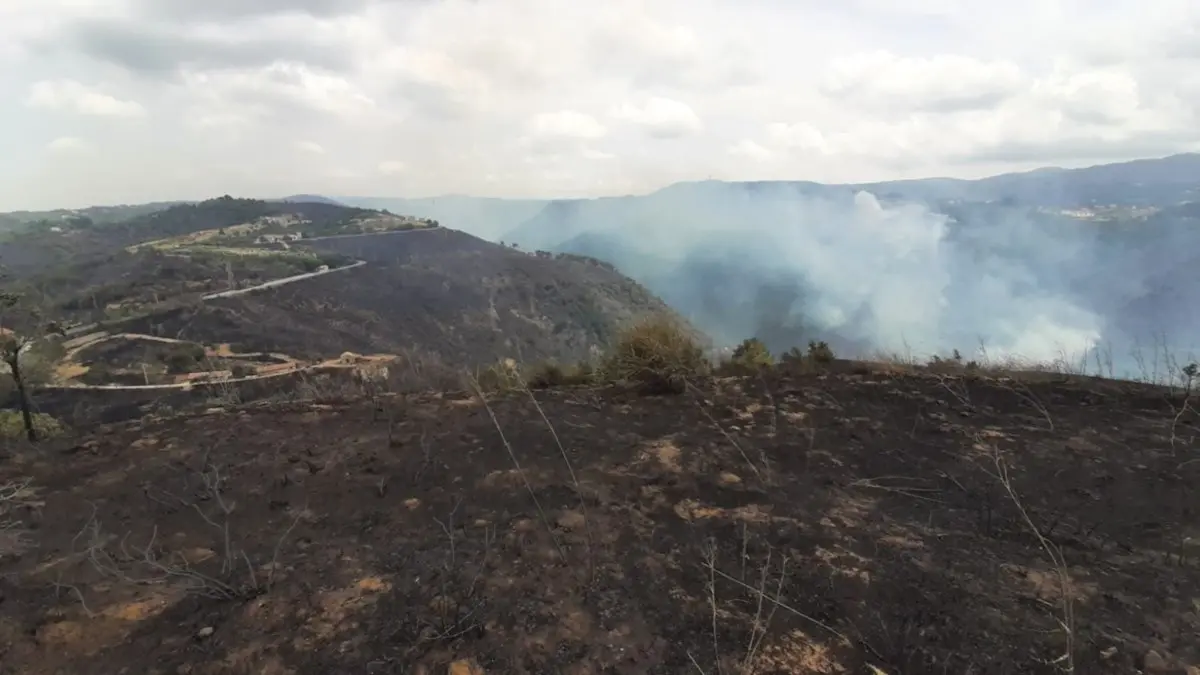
(66, 367)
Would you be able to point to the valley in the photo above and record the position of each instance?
(299, 437)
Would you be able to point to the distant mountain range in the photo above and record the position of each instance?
(1143, 182)
(309, 199)
(1044, 264)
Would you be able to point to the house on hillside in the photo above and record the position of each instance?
(278, 238)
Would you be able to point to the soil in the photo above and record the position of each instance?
(784, 523)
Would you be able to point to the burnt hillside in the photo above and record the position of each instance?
(826, 523)
(441, 292)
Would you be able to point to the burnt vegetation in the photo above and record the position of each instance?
(555, 474)
(817, 515)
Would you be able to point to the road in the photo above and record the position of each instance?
(81, 330)
(275, 283)
(367, 234)
(189, 385)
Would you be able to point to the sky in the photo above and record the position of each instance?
(124, 101)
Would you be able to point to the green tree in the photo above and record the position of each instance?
(752, 354)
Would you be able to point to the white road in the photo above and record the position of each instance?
(274, 283)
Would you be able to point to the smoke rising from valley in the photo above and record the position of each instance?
(789, 262)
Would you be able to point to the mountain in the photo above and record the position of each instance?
(481, 216)
(40, 251)
(310, 199)
(1142, 182)
(249, 289)
(1049, 265)
(455, 298)
(18, 220)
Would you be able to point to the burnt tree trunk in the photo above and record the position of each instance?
(14, 364)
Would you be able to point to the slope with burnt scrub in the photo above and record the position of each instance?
(443, 293)
(782, 523)
(85, 271)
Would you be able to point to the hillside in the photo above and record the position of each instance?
(835, 522)
(21, 220)
(224, 221)
(87, 271)
(444, 294)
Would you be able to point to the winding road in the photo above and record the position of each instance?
(274, 283)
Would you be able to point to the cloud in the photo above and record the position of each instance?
(662, 117)
(234, 9)
(75, 97)
(68, 145)
(310, 147)
(751, 150)
(945, 82)
(525, 97)
(163, 51)
(567, 124)
(391, 167)
(285, 87)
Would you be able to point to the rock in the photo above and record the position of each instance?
(571, 520)
(1157, 664)
(464, 667)
(205, 632)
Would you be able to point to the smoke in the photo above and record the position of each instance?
(791, 262)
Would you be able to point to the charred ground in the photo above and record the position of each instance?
(870, 508)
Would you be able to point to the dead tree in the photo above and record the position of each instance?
(372, 379)
(13, 349)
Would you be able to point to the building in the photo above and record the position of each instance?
(277, 238)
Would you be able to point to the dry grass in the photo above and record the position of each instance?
(658, 354)
(14, 534)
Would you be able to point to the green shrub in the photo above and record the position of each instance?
(12, 427)
(183, 357)
(241, 370)
(750, 356)
(503, 375)
(658, 354)
(819, 352)
(817, 355)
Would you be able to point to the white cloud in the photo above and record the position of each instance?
(752, 150)
(597, 155)
(391, 167)
(310, 147)
(541, 97)
(567, 124)
(71, 96)
(68, 145)
(282, 87)
(662, 117)
(946, 81)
